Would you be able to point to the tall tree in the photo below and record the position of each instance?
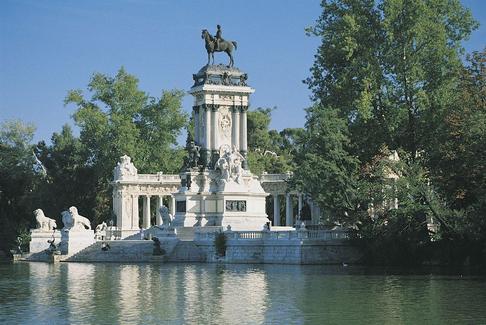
(19, 180)
(326, 170)
(120, 119)
(267, 149)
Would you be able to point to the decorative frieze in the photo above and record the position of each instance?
(236, 205)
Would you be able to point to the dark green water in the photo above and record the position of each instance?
(70, 293)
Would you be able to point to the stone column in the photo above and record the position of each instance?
(300, 206)
(195, 118)
(158, 217)
(243, 135)
(172, 205)
(214, 129)
(146, 212)
(135, 215)
(235, 134)
(288, 210)
(207, 127)
(276, 210)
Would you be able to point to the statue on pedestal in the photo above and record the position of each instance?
(218, 44)
(166, 216)
(73, 221)
(43, 222)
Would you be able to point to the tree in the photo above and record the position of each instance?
(388, 66)
(327, 171)
(267, 149)
(18, 180)
(68, 179)
(121, 119)
(389, 70)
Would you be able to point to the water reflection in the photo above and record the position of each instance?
(38, 293)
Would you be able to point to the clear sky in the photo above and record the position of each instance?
(49, 47)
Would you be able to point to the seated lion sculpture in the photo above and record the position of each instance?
(43, 222)
(166, 216)
(73, 221)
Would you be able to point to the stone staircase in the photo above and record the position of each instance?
(122, 251)
(187, 251)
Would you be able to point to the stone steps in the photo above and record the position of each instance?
(187, 251)
(122, 251)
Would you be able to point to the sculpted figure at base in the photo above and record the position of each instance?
(166, 216)
(43, 222)
(73, 221)
(100, 231)
(229, 164)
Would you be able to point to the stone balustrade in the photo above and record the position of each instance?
(166, 178)
(276, 235)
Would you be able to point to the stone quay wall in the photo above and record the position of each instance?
(278, 247)
(281, 247)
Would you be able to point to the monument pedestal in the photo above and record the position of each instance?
(73, 241)
(39, 238)
(211, 202)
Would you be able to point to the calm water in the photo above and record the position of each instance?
(70, 293)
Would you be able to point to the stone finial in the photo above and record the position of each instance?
(125, 169)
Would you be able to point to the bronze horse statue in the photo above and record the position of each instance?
(224, 46)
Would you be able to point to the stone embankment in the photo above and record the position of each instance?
(285, 247)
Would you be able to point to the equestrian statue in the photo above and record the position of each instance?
(218, 44)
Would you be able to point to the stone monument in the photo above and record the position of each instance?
(218, 189)
(76, 234)
(46, 230)
(125, 206)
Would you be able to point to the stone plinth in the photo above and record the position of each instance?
(73, 241)
(159, 232)
(207, 201)
(39, 238)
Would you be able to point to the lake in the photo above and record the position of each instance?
(77, 293)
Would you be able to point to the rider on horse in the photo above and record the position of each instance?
(218, 37)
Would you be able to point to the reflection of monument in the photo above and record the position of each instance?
(220, 190)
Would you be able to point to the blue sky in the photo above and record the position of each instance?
(49, 47)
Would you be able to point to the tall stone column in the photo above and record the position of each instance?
(214, 129)
(146, 212)
(214, 134)
(235, 134)
(276, 210)
(300, 206)
(207, 135)
(158, 217)
(172, 205)
(288, 210)
(135, 214)
(243, 135)
(195, 118)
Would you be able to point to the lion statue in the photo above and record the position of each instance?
(73, 221)
(166, 216)
(43, 222)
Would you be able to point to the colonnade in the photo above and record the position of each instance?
(290, 218)
(206, 128)
(146, 207)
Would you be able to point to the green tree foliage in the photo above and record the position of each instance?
(18, 180)
(269, 150)
(326, 170)
(68, 179)
(390, 72)
(120, 119)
